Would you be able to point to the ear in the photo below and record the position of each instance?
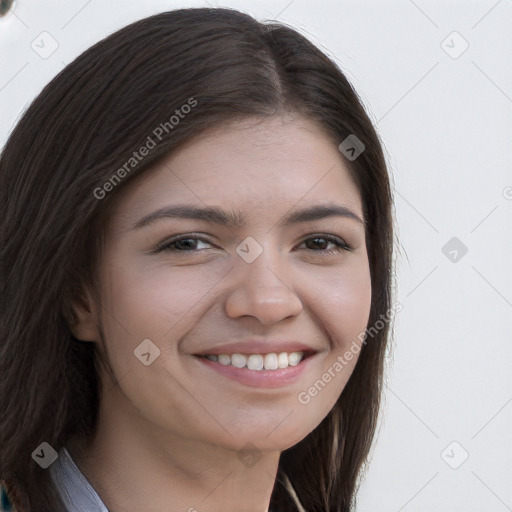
(85, 326)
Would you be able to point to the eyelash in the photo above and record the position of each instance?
(341, 245)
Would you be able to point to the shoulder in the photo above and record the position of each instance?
(7, 497)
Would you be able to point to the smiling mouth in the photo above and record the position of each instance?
(258, 362)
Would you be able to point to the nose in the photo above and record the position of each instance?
(261, 291)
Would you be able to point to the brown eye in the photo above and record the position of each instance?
(320, 243)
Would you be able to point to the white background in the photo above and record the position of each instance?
(446, 124)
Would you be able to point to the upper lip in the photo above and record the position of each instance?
(258, 347)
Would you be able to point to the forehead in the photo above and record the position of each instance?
(261, 167)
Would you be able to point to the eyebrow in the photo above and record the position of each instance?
(236, 219)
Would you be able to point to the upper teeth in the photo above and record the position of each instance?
(271, 361)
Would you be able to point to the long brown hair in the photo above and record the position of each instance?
(80, 130)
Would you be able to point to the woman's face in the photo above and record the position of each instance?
(275, 286)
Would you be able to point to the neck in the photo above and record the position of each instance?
(135, 466)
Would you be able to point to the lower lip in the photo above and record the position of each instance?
(260, 378)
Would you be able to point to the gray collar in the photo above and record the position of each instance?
(76, 491)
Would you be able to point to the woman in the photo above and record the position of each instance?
(142, 371)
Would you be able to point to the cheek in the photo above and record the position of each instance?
(345, 304)
(343, 310)
(156, 301)
(141, 304)
(152, 302)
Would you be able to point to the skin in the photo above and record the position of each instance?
(169, 434)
